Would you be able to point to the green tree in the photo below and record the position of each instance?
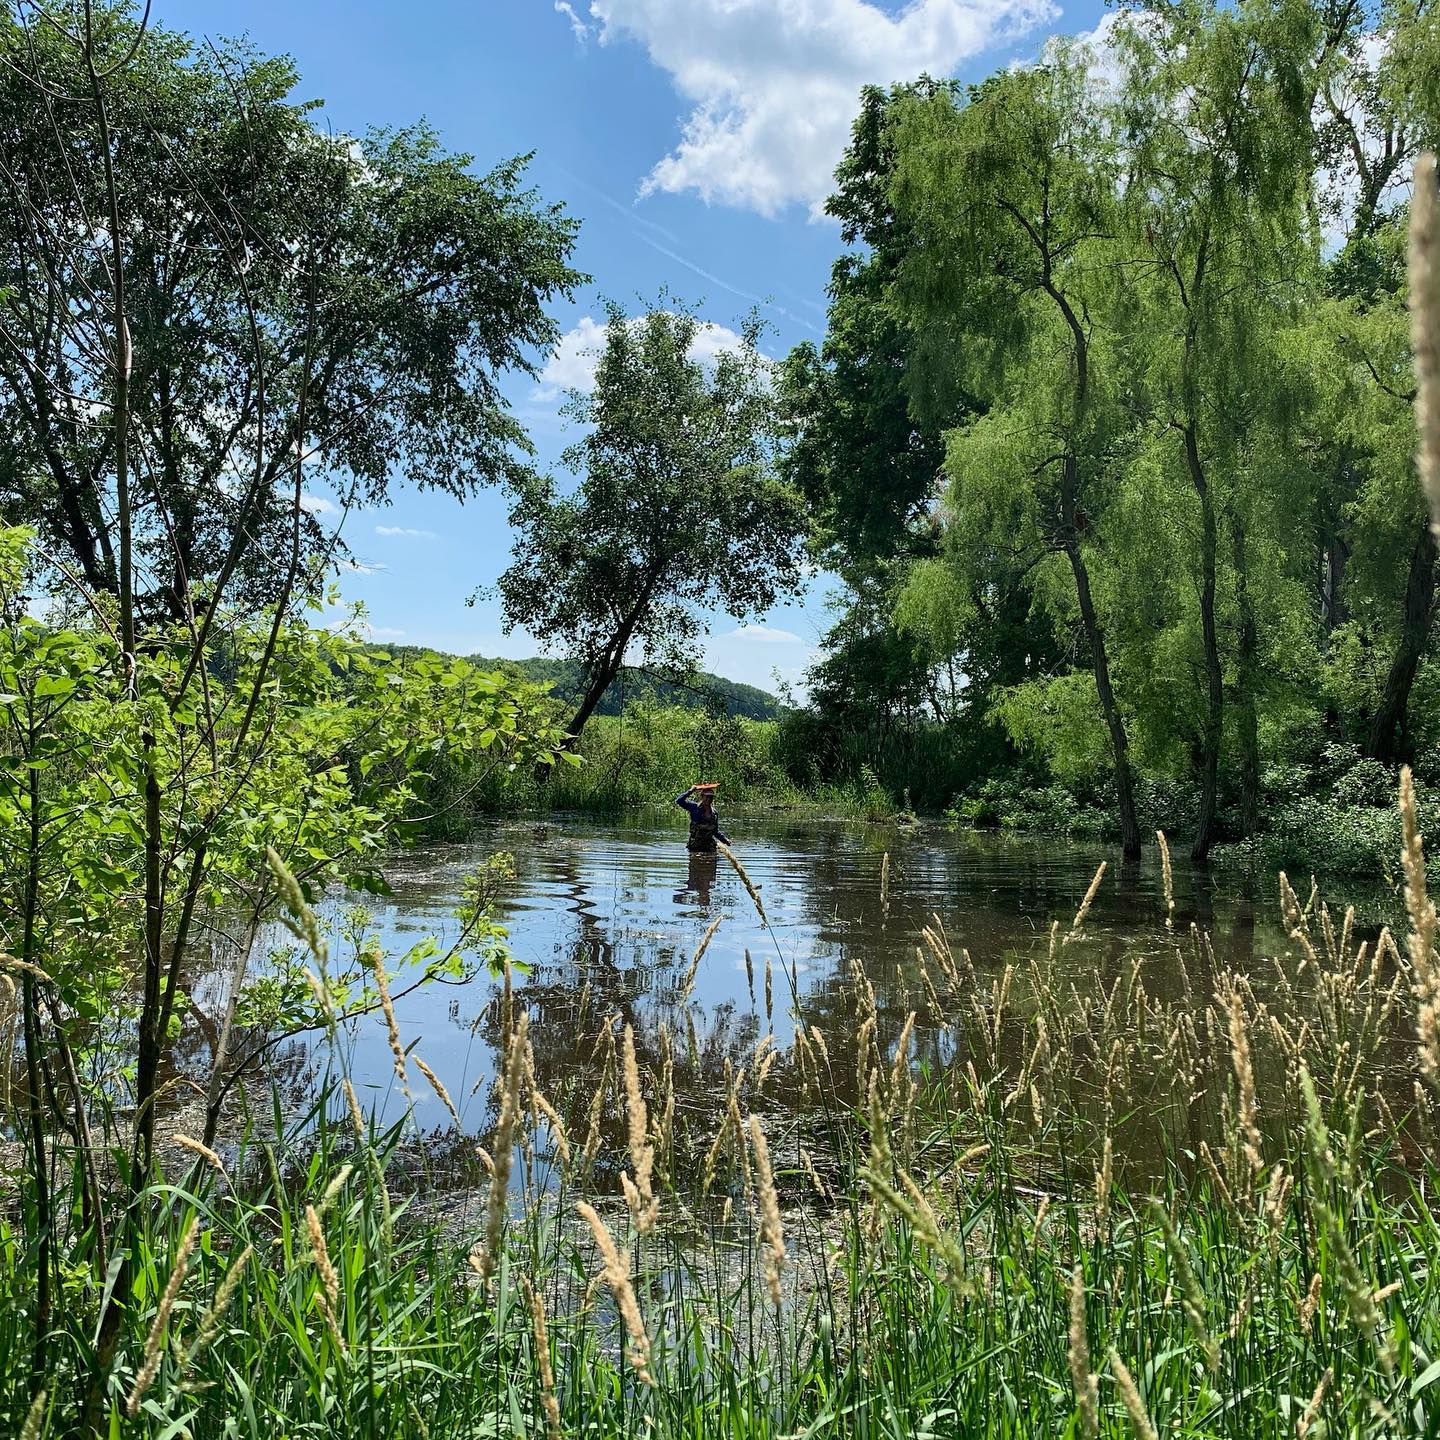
(678, 511)
(1216, 211)
(1011, 198)
(286, 290)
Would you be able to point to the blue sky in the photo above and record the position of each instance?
(693, 138)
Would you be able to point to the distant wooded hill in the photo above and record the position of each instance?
(566, 679)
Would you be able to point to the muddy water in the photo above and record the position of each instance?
(604, 917)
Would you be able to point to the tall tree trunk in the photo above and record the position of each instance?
(1213, 723)
(1388, 739)
(1332, 596)
(1247, 679)
(1114, 720)
(1069, 499)
(601, 679)
(35, 1116)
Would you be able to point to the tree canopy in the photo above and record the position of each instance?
(678, 512)
(289, 292)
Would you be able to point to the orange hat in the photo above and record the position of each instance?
(707, 785)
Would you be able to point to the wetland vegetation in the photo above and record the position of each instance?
(343, 1095)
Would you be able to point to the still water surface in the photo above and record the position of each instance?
(605, 916)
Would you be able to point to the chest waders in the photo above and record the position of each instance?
(703, 829)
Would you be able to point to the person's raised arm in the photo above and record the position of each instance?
(683, 796)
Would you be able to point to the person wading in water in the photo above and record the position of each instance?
(704, 822)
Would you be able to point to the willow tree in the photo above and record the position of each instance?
(1011, 197)
(678, 514)
(1377, 106)
(1216, 214)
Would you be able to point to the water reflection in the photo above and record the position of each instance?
(604, 919)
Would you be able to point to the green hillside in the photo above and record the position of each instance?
(702, 691)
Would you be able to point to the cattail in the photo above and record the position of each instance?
(863, 1038)
(737, 1127)
(1312, 1410)
(644, 1207)
(548, 1401)
(552, 1118)
(304, 925)
(187, 1142)
(30, 1430)
(687, 982)
(749, 884)
(591, 1148)
(1245, 1078)
(224, 1294)
(320, 1254)
(1087, 1387)
(820, 1045)
(821, 1189)
(322, 996)
(772, 1233)
(357, 1117)
(504, 1148)
(1140, 1421)
(900, 1066)
(712, 1156)
(1167, 879)
(1425, 327)
(1423, 925)
(617, 1276)
(438, 1086)
(154, 1346)
(377, 964)
(336, 1185)
(26, 967)
(1104, 1183)
(1079, 920)
(1192, 1298)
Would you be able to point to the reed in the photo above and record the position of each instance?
(1045, 1165)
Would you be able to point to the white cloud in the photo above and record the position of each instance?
(577, 353)
(385, 632)
(405, 531)
(578, 27)
(765, 635)
(775, 84)
(319, 505)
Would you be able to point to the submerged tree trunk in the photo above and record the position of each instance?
(1388, 739)
(1247, 680)
(1213, 722)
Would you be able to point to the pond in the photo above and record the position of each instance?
(604, 917)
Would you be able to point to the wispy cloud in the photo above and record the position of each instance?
(385, 632)
(714, 279)
(404, 531)
(765, 635)
(578, 28)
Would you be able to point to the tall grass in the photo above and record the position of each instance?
(1057, 1200)
(646, 757)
